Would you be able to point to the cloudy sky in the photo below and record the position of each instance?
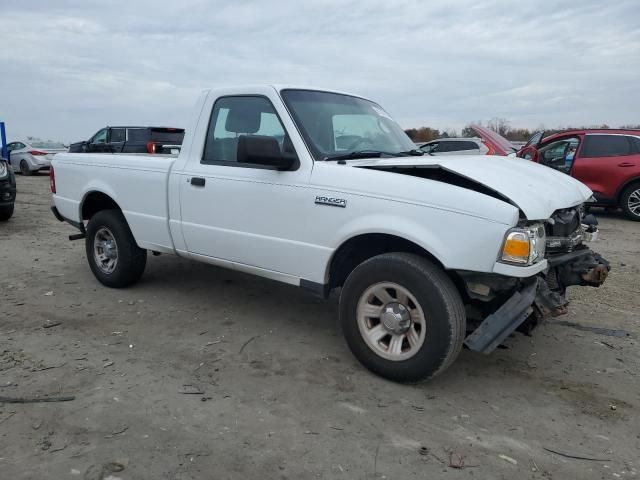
(71, 67)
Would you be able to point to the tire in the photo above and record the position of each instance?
(630, 202)
(24, 168)
(6, 212)
(114, 267)
(429, 345)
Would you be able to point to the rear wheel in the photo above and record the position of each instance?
(6, 212)
(24, 168)
(402, 317)
(630, 202)
(114, 257)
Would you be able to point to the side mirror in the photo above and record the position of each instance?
(263, 150)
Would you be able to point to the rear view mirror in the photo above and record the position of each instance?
(264, 150)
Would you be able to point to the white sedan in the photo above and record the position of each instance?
(32, 156)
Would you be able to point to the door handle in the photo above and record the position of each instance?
(197, 181)
(626, 164)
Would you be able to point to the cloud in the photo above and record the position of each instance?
(71, 67)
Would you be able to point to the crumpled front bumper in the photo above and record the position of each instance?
(539, 297)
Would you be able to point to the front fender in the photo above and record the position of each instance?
(457, 241)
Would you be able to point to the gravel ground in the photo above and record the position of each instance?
(282, 395)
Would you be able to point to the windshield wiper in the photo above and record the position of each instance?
(414, 153)
(360, 154)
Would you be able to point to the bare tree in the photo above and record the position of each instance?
(499, 125)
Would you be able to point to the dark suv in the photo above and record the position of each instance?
(606, 160)
(7, 190)
(132, 140)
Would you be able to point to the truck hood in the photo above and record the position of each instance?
(536, 190)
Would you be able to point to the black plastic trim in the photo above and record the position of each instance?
(60, 218)
(319, 289)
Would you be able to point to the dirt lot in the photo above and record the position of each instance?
(283, 397)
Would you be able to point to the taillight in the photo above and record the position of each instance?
(491, 150)
(52, 179)
(37, 152)
(151, 147)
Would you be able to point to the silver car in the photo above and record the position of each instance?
(32, 156)
(455, 146)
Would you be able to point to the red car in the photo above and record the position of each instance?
(606, 160)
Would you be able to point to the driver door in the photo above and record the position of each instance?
(529, 151)
(244, 215)
(98, 142)
(559, 154)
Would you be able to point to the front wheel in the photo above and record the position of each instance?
(114, 257)
(402, 317)
(6, 212)
(630, 202)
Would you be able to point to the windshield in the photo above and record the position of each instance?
(40, 144)
(334, 125)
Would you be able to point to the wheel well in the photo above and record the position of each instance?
(95, 202)
(633, 181)
(358, 249)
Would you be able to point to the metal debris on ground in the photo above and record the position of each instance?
(576, 456)
(36, 399)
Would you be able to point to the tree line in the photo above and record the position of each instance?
(499, 125)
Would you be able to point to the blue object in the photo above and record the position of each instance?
(3, 142)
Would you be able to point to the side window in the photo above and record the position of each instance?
(446, 146)
(117, 135)
(100, 137)
(605, 146)
(454, 146)
(138, 135)
(233, 119)
(11, 146)
(431, 147)
(469, 146)
(635, 141)
(559, 154)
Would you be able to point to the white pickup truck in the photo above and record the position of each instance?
(323, 190)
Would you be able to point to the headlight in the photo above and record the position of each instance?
(524, 245)
(4, 170)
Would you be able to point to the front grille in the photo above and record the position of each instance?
(563, 223)
(564, 231)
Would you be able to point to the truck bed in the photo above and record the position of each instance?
(138, 181)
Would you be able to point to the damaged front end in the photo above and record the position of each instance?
(498, 305)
